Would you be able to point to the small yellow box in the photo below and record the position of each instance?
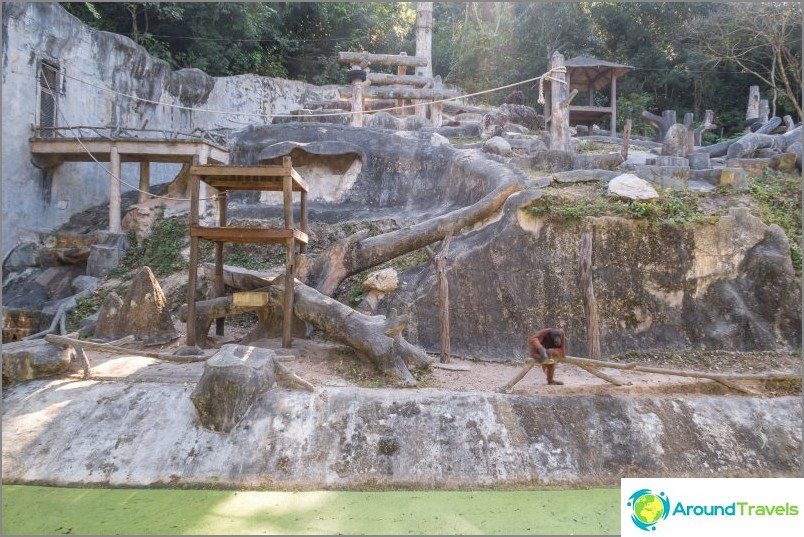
(249, 299)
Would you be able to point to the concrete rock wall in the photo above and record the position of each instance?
(137, 434)
(727, 285)
(94, 62)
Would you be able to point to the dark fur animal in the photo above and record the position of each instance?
(546, 344)
(515, 97)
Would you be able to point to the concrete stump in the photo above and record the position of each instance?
(232, 381)
(26, 360)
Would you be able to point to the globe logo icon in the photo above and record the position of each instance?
(648, 508)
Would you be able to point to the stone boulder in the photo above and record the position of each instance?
(24, 255)
(377, 285)
(142, 313)
(493, 125)
(26, 360)
(677, 142)
(783, 162)
(415, 123)
(552, 160)
(384, 120)
(232, 381)
(107, 255)
(498, 146)
(523, 115)
(596, 161)
(632, 187)
(107, 325)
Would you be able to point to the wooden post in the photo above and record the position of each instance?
(203, 157)
(591, 91)
(626, 139)
(752, 111)
(145, 181)
(287, 198)
(559, 94)
(439, 261)
(613, 105)
(424, 37)
(192, 337)
(401, 70)
(424, 47)
(219, 286)
(357, 102)
(115, 197)
(589, 301)
(436, 108)
(303, 216)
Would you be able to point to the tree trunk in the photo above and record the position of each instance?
(439, 261)
(662, 124)
(559, 106)
(752, 111)
(375, 337)
(745, 146)
(359, 252)
(589, 301)
(626, 139)
(707, 125)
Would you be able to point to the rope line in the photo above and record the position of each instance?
(110, 173)
(540, 78)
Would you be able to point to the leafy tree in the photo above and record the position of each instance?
(761, 39)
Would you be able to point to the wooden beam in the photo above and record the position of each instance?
(68, 149)
(219, 285)
(214, 170)
(384, 79)
(247, 234)
(613, 104)
(403, 92)
(381, 59)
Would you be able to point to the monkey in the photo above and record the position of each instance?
(543, 346)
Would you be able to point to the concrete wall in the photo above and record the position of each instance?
(93, 63)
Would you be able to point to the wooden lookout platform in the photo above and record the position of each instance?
(51, 151)
(590, 75)
(272, 178)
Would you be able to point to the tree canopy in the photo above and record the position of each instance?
(687, 56)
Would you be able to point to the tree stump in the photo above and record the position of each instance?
(232, 381)
(662, 124)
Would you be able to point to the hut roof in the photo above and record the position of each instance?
(583, 71)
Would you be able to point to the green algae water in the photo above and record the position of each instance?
(56, 510)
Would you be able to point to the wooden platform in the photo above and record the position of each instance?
(56, 150)
(282, 178)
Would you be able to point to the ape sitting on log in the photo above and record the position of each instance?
(546, 344)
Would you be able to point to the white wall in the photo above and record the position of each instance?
(93, 61)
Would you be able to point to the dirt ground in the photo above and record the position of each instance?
(329, 364)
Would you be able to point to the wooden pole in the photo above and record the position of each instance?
(401, 70)
(357, 103)
(115, 196)
(424, 46)
(112, 348)
(613, 105)
(559, 93)
(203, 157)
(764, 110)
(626, 139)
(287, 318)
(219, 285)
(589, 301)
(145, 181)
(439, 261)
(303, 216)
(192, 282)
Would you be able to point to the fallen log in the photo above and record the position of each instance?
(359, 252)
(745, 146)
(375, 337)
(111, 347)
(661, 123)
(356, 58)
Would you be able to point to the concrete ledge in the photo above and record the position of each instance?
(670, 177)
(147, 434)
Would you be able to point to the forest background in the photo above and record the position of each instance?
(688, 57)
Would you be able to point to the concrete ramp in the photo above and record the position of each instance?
(70, 432)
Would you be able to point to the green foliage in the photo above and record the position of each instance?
(676, 207)
(631, 107)
(161, 250)
(779, 202)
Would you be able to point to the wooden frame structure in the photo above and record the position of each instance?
(400, 87)
(49, 152)
(589, 75)
(272, 178)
